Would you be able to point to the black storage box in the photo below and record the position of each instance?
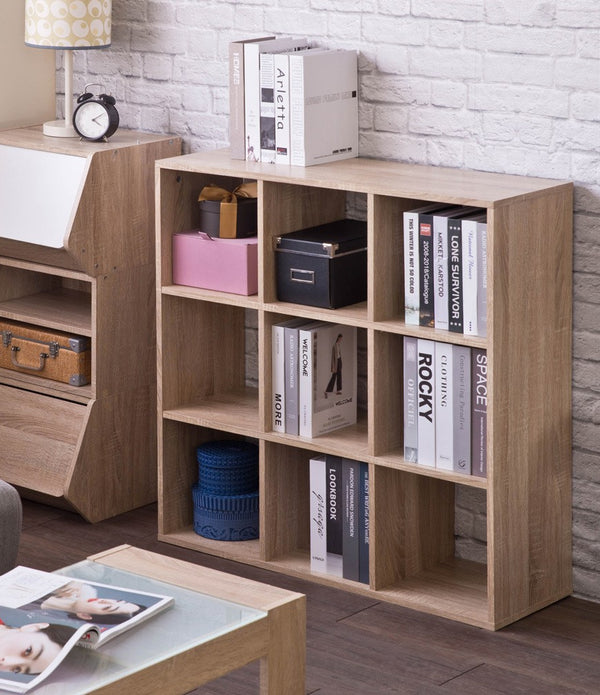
(324, 266)
(210, 219)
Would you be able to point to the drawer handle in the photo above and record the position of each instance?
(300, 275)
(13, 357)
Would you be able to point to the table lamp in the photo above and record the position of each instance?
(68, 25)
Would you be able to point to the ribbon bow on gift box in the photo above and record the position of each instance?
(229, 204)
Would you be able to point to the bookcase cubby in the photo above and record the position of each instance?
(203, 390)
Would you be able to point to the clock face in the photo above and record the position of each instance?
(91, 120)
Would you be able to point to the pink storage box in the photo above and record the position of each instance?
(227, 265)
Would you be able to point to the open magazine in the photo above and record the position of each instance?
(44, 615)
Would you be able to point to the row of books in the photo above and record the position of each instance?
(445, 268)
(339, 517)
(445, 406)
(314, 377)
(292, 103)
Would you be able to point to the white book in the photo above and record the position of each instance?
(282, 108)
(237, 116)
(410, 400)
(323, 106)
(469, 275)
(412, 292)
(426, 401)
(444, 424)
(318, 515)
(462, 407)
(278, 378)
(252, 94)
(328, 378)
(482, 277)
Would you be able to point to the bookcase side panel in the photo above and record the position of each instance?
(529, 395)
(385, 411)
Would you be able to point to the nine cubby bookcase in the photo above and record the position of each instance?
(203, 390)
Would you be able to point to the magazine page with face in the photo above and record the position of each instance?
(44, 615)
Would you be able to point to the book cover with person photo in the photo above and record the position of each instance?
(44, 615)
(328, 378)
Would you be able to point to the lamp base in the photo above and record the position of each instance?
(59, 129)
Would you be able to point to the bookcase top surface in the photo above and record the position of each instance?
(33, 138)
(380, 177)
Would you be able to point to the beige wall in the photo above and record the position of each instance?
(27, 76)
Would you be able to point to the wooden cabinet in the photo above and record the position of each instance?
(81, 260)
(205, 390)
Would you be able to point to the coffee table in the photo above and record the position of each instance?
(219, 622)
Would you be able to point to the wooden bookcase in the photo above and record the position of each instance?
(89, 448)
(203, 392)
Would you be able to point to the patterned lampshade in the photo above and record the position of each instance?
(66, 24)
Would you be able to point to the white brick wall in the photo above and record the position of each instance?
(498, 85)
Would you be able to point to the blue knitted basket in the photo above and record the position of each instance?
(228, 467)
(225, 517)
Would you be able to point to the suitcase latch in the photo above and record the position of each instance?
(6, 338)
(53, 348)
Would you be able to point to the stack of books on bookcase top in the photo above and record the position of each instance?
(314, 377)
(445, 257)
(339, 517)
(292, 103)
(445, 406)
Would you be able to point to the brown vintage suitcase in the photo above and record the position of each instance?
(51, 354)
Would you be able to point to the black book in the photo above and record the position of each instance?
(455, 302)
(426, 303)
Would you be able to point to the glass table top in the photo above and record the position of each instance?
(193, 618)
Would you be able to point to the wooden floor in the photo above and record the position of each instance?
(357, 646)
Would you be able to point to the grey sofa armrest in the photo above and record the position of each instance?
(11, 517)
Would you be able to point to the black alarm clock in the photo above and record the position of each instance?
(95, 117)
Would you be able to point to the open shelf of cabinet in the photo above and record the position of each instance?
(203, 393)
(89, 448)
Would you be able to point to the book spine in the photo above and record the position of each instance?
(444, 424)
(318, 513)
(297, 112)
(278, 377)
(426, 401)
(412, 292)
(455, 310)
(440, 273)
(461, 359)
(267, 107)
(237, 128)
(363, 524)
(482, 278)
(282, 108)
(426, 254)
(350, 484)
(291, 380)
(479, 382)
(252, 101)
(307, 346)
(469, 275)
(335, 532)
(410, 400)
